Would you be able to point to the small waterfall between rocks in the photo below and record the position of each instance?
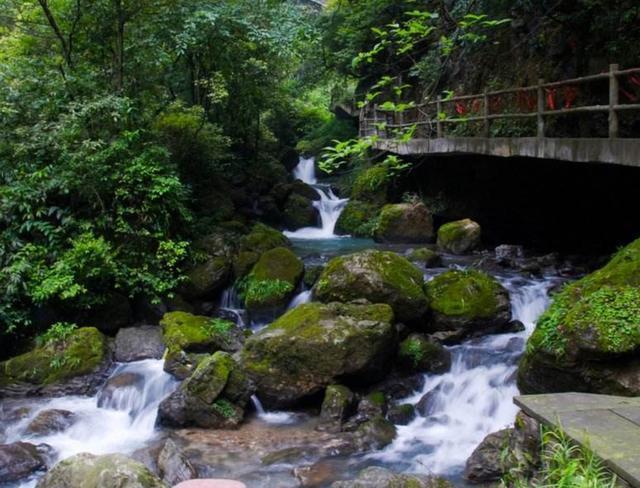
(458, 409)
(120, 418)
(329, 206)
(271, 417)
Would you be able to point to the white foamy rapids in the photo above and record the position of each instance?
(306, 171)
(474, 399)
(124, 423)
(299, 299)
(271, 417)
(329, 205)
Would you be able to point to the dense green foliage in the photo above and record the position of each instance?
(118, 120)
(564, 464)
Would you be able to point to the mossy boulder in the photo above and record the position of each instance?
(404, 223)
(425, 256)
(358, 219)
(108, 471)
(459, 237)
(299, 212)
(313, 345)
(190, 336)
(220, 242)
(467, 303)
(312, 274)
(418, 354)
(243, 262)
(589, 338)
(377, 276)
(273, 280)
(263, 238)
(371, 185)
(213, 396)
(208, 278)
(85, 351)
(338, 404)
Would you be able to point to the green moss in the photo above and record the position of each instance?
(412, 350)
(377, 398)
(262, 238)
(243, 263)
(459, 236)
(278, 264)
(185, 331)
(371, 185)
(224, 408)
(469, 294)
(426, 256)
(272, 280)
(600, 312)
(210, 377)
(81, 352)
(358, 219)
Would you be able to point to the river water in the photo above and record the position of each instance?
(471, 401)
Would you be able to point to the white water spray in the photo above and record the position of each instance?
(271, 417)
(124, 421)
(329, 206)
(474, 399)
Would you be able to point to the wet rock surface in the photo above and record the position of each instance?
(136, 343)
(21, 460)
(51, 421)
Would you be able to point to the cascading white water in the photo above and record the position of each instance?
(329, 205)
(271, 417)
(306, 171)
(299, 299)
(474, 399)
(124, 421)
(231, 302)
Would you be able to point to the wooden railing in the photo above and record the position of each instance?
(430, 118)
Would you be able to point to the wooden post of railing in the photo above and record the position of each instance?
(614, 90)
(439, 131)
(375, 119)
(485, 106)
(540, 109)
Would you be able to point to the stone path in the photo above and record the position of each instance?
(609, 425)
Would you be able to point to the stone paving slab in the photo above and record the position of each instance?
(608, 425)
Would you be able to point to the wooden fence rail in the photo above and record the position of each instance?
(385, 123)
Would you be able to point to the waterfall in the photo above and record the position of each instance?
(299, 299)
(329, 205)
(120, 419)
(271, 417)
(472, 400)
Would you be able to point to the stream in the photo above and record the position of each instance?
(471, 401)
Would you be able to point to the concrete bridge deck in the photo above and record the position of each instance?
(624, 152)
(608, 425)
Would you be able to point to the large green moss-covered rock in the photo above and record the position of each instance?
(428, 257)
(467, 303)
(84, 352)
(107, 471)
(358, 219)
(417, 354)
(404, 223)
(214, 396)
(314, 344)
(589, 338)
(299, 212)
(459, 237)
(376, 477)
(273, 280)
(188, 336)
(262, 238)
(379, 277)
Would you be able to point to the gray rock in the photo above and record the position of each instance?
(337, 404)
(118, 383)
(401, 414)
(108, 471)
(136, 343)
(21, 460)
(486, 463)
(51, 421)
(376, 477)
(174, 467)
